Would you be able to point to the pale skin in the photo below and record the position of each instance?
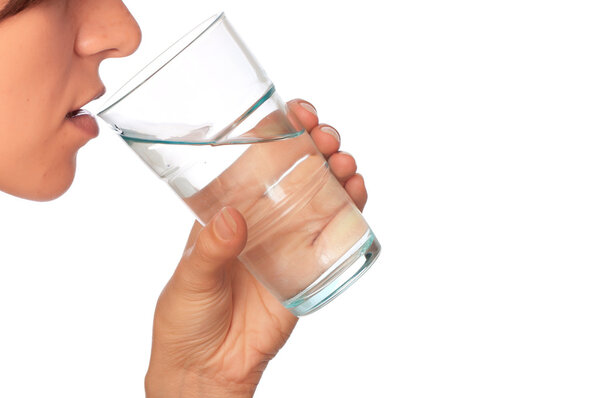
(215, 326)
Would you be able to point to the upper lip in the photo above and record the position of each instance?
(97, 95)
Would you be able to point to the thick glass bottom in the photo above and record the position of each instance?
(338, 278)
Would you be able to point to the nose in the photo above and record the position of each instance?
(106, 28)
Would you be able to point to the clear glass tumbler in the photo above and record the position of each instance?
(207, 120)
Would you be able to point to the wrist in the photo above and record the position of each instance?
(188, 385)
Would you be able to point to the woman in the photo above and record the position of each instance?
(215, 326)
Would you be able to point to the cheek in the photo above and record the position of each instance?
(34, 85)
(37, 151)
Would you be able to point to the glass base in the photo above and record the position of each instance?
(338, 278)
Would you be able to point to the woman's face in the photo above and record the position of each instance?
(49, 59)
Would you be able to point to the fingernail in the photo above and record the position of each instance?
(332, 132)
(309, 108)
(225, 225)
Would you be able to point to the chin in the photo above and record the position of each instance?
(51, 193)
(52, 184)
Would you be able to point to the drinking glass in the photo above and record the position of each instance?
(208, 121)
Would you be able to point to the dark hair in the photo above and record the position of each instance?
(16, 6)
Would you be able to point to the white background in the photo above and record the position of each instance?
(476, 126)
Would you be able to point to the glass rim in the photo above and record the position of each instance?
(160, 61)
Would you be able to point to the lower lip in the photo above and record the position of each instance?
(86, 123)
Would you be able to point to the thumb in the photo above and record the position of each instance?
(209, 250)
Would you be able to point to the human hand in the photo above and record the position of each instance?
(216, 327)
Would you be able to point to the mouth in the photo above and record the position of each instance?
(78, 112)
(84, 121)
(83, 112)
